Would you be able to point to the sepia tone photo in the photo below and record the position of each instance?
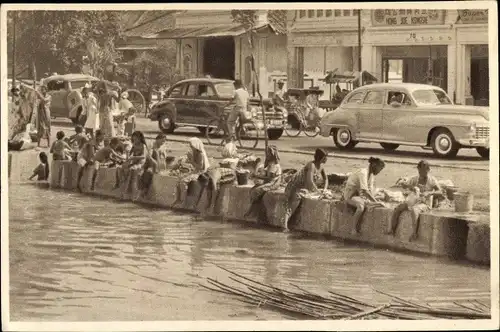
(218, 166)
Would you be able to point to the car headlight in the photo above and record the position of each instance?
(472, 127)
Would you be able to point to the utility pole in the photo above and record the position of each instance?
(359, 40)
(14, 19)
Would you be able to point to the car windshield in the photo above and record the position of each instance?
(225, 90)
(431, 97)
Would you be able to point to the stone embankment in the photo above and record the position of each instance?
(447, 234)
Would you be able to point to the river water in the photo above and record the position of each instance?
(81, 258)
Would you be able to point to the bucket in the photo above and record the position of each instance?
(242, 178)
(450, 192)
(463, 201)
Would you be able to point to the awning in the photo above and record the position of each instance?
(136, 47)
(201, 32)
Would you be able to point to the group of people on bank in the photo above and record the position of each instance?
(136, 163)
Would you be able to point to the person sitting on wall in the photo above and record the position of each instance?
(279, 96)
(360, 190)
(304, 179)
(135, 162)
(78, 140)
(428, 194)
(106, 156)
(60, 149)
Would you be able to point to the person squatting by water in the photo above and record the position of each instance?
(197, 160)
(267, 179)
(304, 179)
(360, 189)
(425, 190)
(134, 165)
(42, 170)
(60, 149)
(89, 109)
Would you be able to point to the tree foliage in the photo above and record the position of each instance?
(154, 67)
(58, 40)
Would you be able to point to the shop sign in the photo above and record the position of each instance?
(401, 17)
(473, 16)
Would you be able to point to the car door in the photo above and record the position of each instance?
(370, 115)
(57, 91)
(398, 118)
(176, 97)
(190, 104)
(208, 103)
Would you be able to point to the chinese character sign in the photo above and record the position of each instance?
(385, 17)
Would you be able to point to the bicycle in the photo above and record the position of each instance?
(298, 123)
(217, 129)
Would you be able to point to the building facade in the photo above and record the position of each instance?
(447, 48)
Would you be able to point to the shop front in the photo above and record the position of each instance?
(413, 46)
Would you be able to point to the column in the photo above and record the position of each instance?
(262, 66)
(237, 58)
(467, 70)
(452, 70)
(292, 67)
(368, 61)
(200, 45)
(178, 55)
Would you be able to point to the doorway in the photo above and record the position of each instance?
(218, 59)
(415, 70)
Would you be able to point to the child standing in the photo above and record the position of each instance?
(60, 149)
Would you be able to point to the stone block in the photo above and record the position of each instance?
(478, 243)
(236, 202)
(105, 182)
(163, 190)
(449, 236)
(69, 175)
(314, 216)
(401, 240)
(274, 203)
(56, 172)
(86, 181)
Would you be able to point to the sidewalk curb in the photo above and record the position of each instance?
(390, 161)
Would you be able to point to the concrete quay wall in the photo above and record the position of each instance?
(441, 234)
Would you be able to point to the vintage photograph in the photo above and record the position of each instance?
(167, 163)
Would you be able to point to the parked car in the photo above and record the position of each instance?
(194, 102)
(394, 114)
(66, 94)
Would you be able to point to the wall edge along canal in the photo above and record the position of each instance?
(450, 235)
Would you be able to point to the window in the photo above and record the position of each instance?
(398, 97)
(302, 13)
(319, 13)
(338, 13)
(354, 98)
(310, 13)
(78, 84)
(347, 13)
(205, 90)
(225, 90)
(328, 13)
(55, 85)
(192, 90)
(176, 91)
(374, 98)
(431, 97)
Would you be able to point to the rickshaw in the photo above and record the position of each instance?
(350, 79)
(304, 113)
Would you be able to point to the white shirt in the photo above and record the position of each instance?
(241, 98)
(358, 181)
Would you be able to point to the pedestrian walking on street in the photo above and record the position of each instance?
(89, 105)
(43, 122)
(240, 102)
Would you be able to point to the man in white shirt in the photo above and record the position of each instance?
(240, 101)
(279, 95)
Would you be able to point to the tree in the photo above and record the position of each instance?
(57, 40)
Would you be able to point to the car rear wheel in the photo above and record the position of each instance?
(343, 139)
(443, 143)
(166, 124)
(484, 153)
(274, 134)
(389, 146)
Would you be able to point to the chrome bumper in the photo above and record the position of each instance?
(475, 142)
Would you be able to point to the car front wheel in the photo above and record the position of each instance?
(166, 124)
(443, 143)
(343, 139)
(484, 153)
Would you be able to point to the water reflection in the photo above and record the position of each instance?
(74, 257)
